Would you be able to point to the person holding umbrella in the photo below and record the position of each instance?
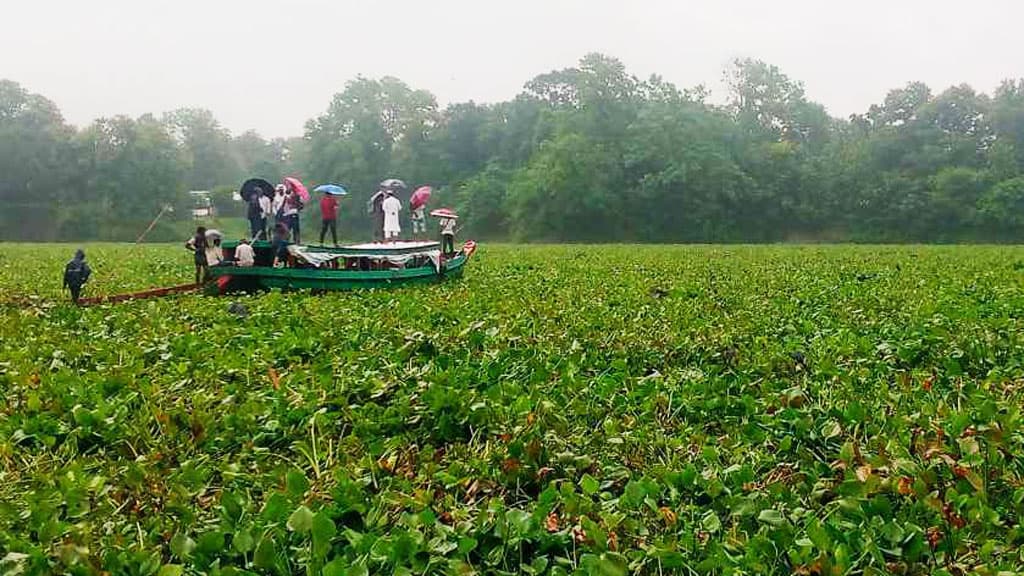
(391, 206)
(254, 213)
(295, 201)
(376, 209)
(417, 206)
(329, 217)
(447, 223)
(255, 193)
(292, 205)
(329, 210)
(197, 245)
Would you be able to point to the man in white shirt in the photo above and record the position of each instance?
(391, 206)
(244, 256)
(447, 235)
(277, 204)
(267, 209)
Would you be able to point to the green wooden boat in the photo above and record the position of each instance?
(352, 267)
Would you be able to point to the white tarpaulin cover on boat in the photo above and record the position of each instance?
(320, 257)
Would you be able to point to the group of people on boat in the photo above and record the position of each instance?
(206, 251)
(283, 209)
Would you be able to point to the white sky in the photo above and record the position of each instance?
(271, 65)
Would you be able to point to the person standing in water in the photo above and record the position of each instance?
(76, 274)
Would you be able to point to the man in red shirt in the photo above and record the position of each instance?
(329, 215)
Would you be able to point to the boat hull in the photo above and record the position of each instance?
(232, 279)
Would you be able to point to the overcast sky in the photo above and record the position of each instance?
(271, 65)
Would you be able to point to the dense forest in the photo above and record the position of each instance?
(589, 153)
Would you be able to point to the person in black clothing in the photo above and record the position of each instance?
(279, 246)
(197, 244)
(76, 274)
(254, 213)
(376, 209)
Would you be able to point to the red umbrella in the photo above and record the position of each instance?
(297, 187)
(444, 213)
(419, 197)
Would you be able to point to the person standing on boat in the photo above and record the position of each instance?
(292, 205)
(279, 246)
(419, 220)
(447, 235)
(329, 217)
(197, 244)
(376, 209)
(244, 256)
(254, 213)
(76, 274)
(277, 204)
(391, 206)
(266, 210)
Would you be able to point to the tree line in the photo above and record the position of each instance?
(590, 153)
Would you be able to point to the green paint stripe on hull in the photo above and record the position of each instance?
(316, 279)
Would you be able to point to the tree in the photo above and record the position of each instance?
(36, 162)
(129, 170)
(205, 148)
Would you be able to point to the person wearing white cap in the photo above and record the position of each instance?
(277, 204)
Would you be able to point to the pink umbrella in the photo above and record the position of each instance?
(297, 187)
(420, 197)
(444, 213)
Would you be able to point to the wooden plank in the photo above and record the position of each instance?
(151, 293)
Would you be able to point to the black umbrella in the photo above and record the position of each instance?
(256, 186)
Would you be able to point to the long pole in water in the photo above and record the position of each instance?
(151, 224)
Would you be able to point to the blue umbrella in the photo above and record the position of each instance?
(332, 189)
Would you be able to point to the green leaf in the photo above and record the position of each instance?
(301, 520)
(276, 508)
(771, 516)
(341, 567)
(589, 485)
(611, 564)
(243, 541)
(296, 483)
(182, 546)
(466, 545)
(710, 522)
(210, 543)
(633, 495)
(266, 555)
(324, 530)
(171, 570)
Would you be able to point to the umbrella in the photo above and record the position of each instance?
(297, 187)
(444, 213)
(214, 234)
(393, 184)
(419, 197)
(332, 189)
(256, 186)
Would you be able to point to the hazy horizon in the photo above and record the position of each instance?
(270, 66)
